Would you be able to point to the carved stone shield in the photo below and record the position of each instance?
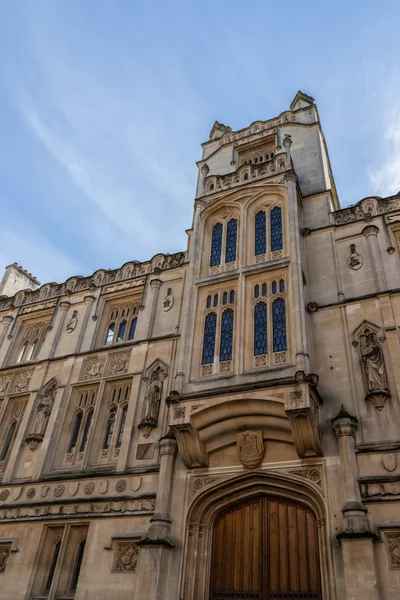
(73, 487)
(250, 447)
(389, 462)
(136, 483)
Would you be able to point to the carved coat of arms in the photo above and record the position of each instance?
(250, 447)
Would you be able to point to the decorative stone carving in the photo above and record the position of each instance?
(59, 490)
(392, 540)
(4, 495)
(5, 550)
(118, 363)
(73, 322)
(21, 382)
(389, 462)
(355, 260)
(89, 488)
(46, 398)
(250, 446)
(374, 371)
(144, 451)
(4, 383)
(199, 483)
(31, 493)
(126, 557)
(168, 301)
(155, 379)
(314, 474)
(120, 486)
(180, 412)
(93, 367)
(73, 488)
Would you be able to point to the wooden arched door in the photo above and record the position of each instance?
(265, 549)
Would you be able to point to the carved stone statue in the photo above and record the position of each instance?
(374, 369)
(152, 401)
(373, 361)
(43, 411)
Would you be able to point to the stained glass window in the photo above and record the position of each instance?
(281, 285)
(260, 233)
(273, 287)
(264, 289)
(209, 339)
(231, 236)
(208, 303)
(279, 324)
(225, 350)
(256, 291)
(260, 329)
(276, 229)
(215, 299)
(232, 297)
(225, 298)
(216, 245)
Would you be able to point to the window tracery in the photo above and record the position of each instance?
(32, 341)
(122, 320)
(218, 332)
(268, 233)
(269, 322)
(81, 426)
(223, 247)
(116, 412)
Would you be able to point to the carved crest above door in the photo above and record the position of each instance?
(250, 446)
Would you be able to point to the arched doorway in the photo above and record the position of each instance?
(260, 535)
(265, 548)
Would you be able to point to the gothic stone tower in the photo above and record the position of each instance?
(222, 423)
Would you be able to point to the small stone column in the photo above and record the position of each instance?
(357, 536)
(371, 233)
(155, 546)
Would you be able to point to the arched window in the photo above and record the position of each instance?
(225, 350)
(8, 440)
(121, 331)
(53, 565)
(260, 329)
(216, 245)
(260, 233)
(110, 333)
(276, 229)
(78, 565)
(132, 329)
(22, 354)
(109, 429)
(86, 431)
(231, 241)
(209, 339)
(75, 431)
(279, 324)
(121, 426)
(34, 349)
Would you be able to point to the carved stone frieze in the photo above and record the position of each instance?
(125, 556)
(21, 381)
(366, 209)
(93, 367)
(118, 363)
(380, 490)
(5, 381)
(392, 543)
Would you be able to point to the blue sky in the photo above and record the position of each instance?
(104, 105)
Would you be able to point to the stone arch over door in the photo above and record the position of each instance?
(209, 507)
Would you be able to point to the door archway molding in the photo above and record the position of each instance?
(208, 504)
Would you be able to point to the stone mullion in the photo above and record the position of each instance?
(96, 413)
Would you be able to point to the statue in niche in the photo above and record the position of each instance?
(43, 411)
(374, 368)
(355, 259)
(152, 401)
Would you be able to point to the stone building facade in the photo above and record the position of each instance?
(221, 423)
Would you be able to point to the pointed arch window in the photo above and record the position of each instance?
(231, 241)
(8, 441)
(260, 233)
(110, 333)
(117, 396)
(122, 321)
(225, 351)
(260, 329)
(279, 325)
(82, 420)
(216, 245)
(32, 340)
(210, 327)
(276, 229)
(121, 331)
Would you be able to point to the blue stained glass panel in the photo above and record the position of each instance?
(274, 288)
(260, 233)
(281, 285)
(224, 298)
(231, 238)
(260, 329)
(208, 303)
(216, 245)
(225, 350)
(215, 300)
(256, 291)
(232, 297)
(210, 326)
(264, 289)
(276, 229)
(279, 325)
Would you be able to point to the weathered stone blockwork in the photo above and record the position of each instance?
(163, 422)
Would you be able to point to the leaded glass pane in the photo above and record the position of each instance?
(225, 298)
(225, 350)
(209, 339)
(276, 229)
(132, 329)
(256, 291)
(279, 324)
(264, 289)
(274, 287)
(260, 233)
(208, 303)
(281, 285)
(232, 297)
(215, 299)
(231, 235)
(216, 245)
(260, 329)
